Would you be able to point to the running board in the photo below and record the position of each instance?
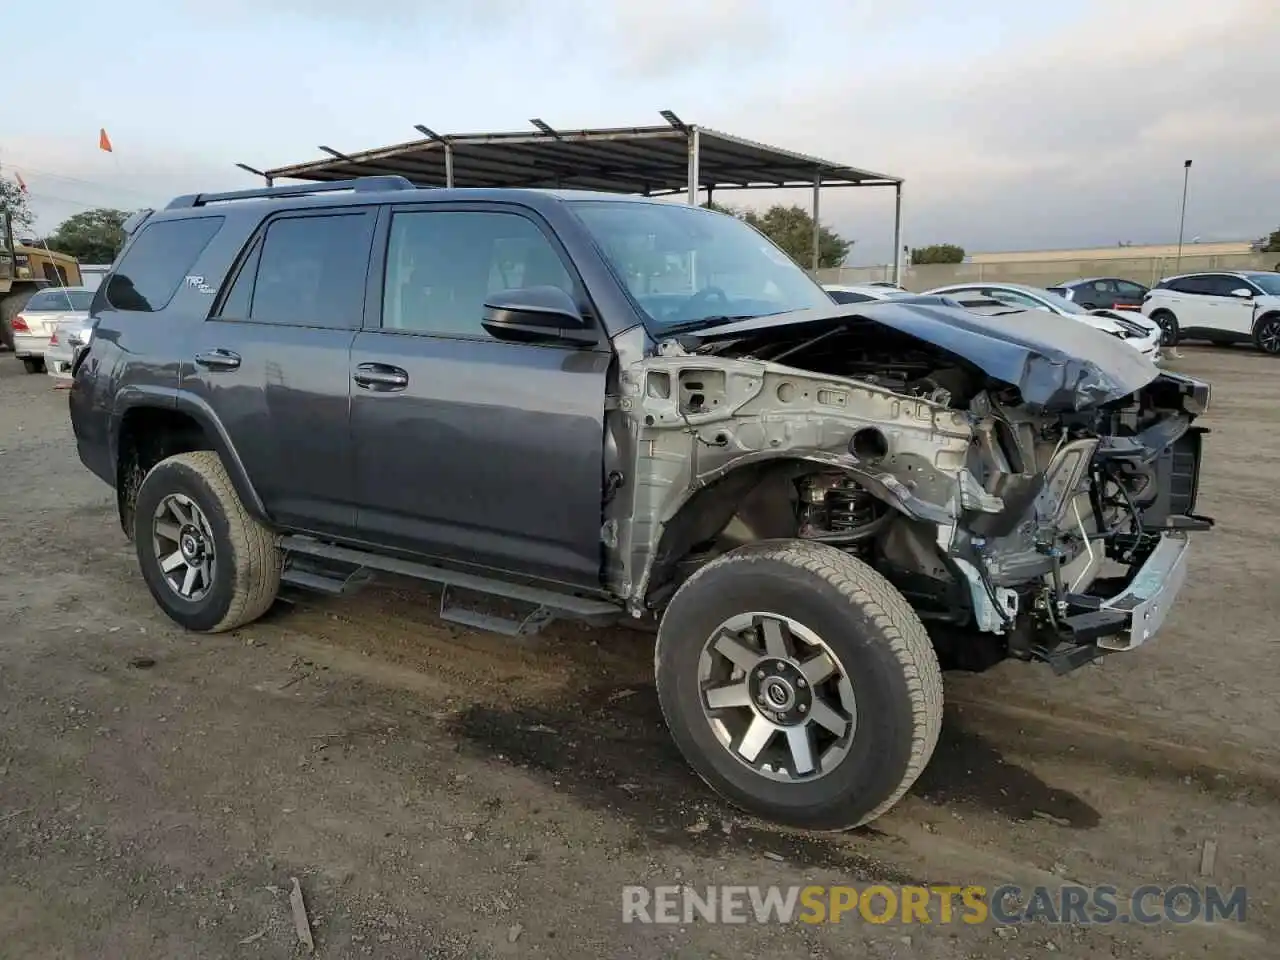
(547, 604)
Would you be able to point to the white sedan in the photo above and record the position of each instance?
(1137, 331)
(35, 324)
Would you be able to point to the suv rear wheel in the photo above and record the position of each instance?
(799, 684)
(210, 566)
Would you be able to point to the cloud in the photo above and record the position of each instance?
(1015, 124)
(1074, 137)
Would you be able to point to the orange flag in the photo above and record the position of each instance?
(104, 142)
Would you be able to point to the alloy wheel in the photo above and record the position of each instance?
(1269, 336)
(184, 546)
(777, 697)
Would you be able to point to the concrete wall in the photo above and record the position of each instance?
(1041, 273)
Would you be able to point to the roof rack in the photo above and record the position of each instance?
(358, 185)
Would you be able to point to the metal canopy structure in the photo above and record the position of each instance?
(655, 161)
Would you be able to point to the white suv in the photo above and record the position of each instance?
(1222, 307)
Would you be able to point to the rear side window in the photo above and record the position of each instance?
(1198, 284)
(59, 300)
(305, 272)
(157, 261)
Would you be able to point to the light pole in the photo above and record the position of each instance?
(1182, 218)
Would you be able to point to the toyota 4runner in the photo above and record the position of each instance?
(596, 406)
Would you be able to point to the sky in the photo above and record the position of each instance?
(1015, 124)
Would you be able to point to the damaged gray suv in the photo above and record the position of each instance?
(596, 406)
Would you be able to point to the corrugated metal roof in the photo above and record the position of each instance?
(646, 160)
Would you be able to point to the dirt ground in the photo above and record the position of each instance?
(443, 793)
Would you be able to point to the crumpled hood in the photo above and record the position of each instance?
(1056, 364)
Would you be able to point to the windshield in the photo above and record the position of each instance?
(689, 267)
(60, 300)
(1268, 283)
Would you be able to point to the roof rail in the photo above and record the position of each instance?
(358, 185)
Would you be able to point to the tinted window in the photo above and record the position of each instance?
(848, 296)
(157, 261)
(310, 272)
(1218, 285)
(1197, 284)
(60, 300)
(441, 266)
(1128, 289)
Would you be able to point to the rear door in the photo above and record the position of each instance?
(467, 447)
(1187, 297)
(1099, 294)
(272, 361)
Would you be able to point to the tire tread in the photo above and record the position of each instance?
(258, 561)
(898, 624)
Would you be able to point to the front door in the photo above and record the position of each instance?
(466, 447)
(1226, 311)
(272, 361)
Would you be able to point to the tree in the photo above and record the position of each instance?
(791, 228)
(94, 236)
(13, 200)
(1272, 243)
(938, 253)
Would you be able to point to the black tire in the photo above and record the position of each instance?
(1169, 324)
(881, 646)
(1266, 334)
(11, 305)
(33, 365)
(246, 563)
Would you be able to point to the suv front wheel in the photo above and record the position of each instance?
(210, 566)
(799, 684)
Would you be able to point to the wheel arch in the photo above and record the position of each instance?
(708, 507)
(150, 425)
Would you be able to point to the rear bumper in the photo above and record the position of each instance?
(57, 363)
(30, 344)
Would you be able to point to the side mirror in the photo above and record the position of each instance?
(536, 315)
(1243, 292)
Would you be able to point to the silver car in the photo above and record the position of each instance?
(33, 327)
(67, 339)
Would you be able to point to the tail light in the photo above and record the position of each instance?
(53, 340)
(20, 324)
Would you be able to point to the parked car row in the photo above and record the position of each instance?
(49, 328)
(1218, 307)
(1138, 332)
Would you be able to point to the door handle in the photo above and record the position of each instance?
(218, 360)
(371, 375)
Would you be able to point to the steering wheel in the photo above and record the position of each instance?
(705, 295)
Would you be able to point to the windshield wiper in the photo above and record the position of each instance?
(702, 323)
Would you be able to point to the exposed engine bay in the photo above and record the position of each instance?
(1038, 528)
